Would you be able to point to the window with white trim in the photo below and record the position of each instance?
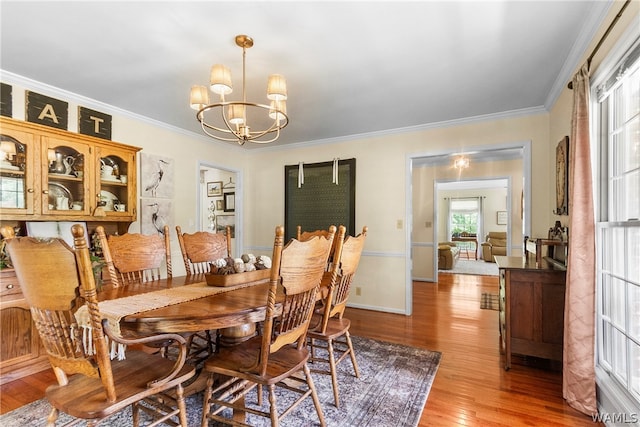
(617, 140)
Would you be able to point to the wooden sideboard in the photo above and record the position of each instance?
(531, 309)
(21, 353)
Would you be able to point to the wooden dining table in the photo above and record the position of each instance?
(228, 308)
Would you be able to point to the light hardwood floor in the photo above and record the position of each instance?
(471, 387)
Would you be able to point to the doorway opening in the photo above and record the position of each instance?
(425, 171)
(220, 202)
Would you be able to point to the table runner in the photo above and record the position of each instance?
(115, 309)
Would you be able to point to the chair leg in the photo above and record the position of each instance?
(182, 407)
(206, 405)
(135, 414)
(273, 409)
(314, 395)
(53, 416)
(334, 374)
(352, 354)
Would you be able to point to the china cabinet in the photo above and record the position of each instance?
(48, 174)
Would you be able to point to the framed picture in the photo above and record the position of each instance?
(562, 177)
(214, 188)
(223, 221)
(229, 202)
(219, 205)
(501, 218)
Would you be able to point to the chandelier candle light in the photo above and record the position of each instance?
(230, 120)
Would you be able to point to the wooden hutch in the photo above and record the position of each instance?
(51, 175)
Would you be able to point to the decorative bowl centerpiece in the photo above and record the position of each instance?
(236, 271)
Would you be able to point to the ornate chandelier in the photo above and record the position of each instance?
(240, 121)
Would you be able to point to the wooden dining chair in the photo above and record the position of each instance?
(201, 248)
(56, 280)
(306, 235)
(326, 278)
(280, 355)
(135, 258)
(198, 251)
(329, 330)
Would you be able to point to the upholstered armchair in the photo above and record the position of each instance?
(495, 244)
(448, 254)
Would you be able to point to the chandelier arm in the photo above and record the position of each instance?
(253, 135)
(217, 136)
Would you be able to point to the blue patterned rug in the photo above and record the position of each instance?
(392, 390)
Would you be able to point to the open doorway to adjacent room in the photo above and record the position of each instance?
(510, 162)
(220, 202)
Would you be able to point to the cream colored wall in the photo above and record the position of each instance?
(155, 138)
(381, 173)
(560, 113)
(381, 192)
(164, 142)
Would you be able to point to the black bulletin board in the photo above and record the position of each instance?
(320, 203)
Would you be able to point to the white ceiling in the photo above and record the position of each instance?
(352, 67)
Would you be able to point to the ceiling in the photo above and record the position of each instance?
(352, 67)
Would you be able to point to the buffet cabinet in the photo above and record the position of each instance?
(531, 308)
(20, 350)
(52, 175)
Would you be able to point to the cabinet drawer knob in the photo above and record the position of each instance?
(10, 286)
(45, 191)
(30, 190)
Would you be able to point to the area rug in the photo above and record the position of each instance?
(489, 301)
(480, 268)
(392, 390)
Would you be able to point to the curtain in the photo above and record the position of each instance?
(579, 384)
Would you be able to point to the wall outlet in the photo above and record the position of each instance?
(428, 224)
(399, 224)
(358, 291)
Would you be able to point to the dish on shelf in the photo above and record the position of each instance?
(8, 166)
(58, 190)
(114, 179)
(109, 199)
(62, 175)
(108, 161)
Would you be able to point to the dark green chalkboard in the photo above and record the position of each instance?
(319, 203)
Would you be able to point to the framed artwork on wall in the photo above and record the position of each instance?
(220, 205)
(562, 177)
(223, 221)
(229, 202)
(214, 188)
(501, 218)
(157, 176)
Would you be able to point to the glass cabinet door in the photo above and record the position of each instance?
(65, 173)
(116, 171)
(16, 176)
